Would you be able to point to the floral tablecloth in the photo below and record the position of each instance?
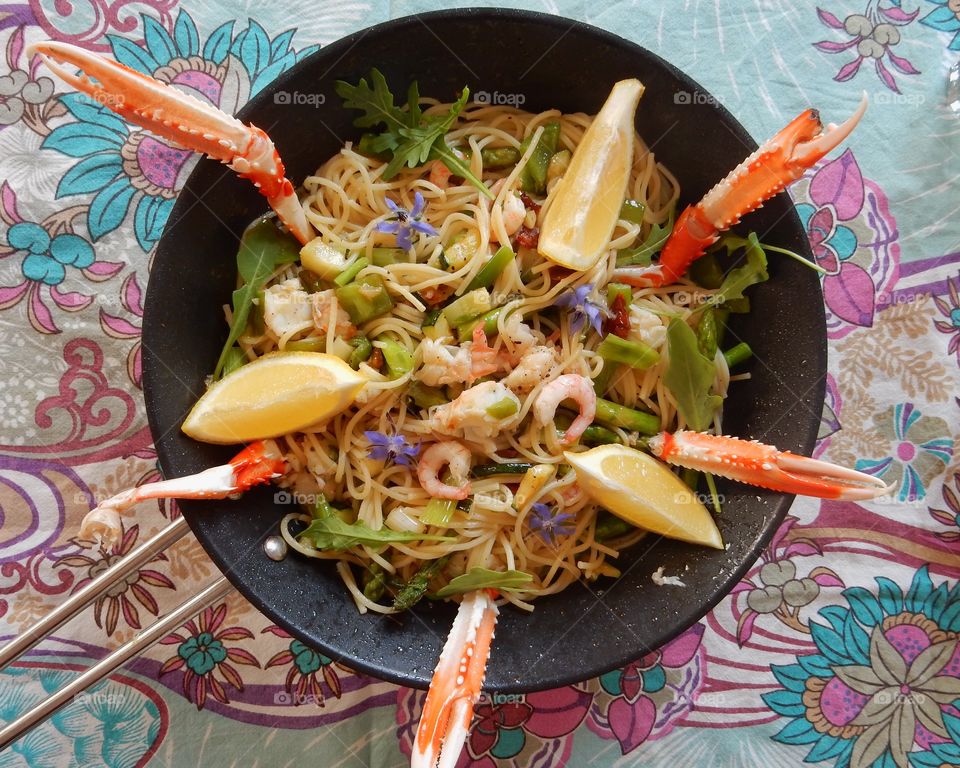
(840, 648)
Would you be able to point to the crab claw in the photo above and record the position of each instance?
(764, 466)
(778, 163)
(182, 119)
(257, 463)
(456, 683)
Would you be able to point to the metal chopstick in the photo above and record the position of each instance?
(76, 602)
(147, 637)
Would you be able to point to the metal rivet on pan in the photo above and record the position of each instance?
(275, 548)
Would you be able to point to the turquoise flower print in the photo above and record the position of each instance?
(204, 656)
(307, 666)
(919, 451)
(945, 18)
(127, 169)
(880, 688)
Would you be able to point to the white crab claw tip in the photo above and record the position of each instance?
(834, 135)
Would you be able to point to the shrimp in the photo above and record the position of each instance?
(286, 307)
(447, 364)
(457, 457)
(519, 335)
(570, 386)
(439, 174)
(483, 357)
(324, 304)
(513, 211)
(443, 363)
(475, 414)
(647, 327)
(537, 364)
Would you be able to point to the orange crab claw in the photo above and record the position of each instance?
(764, 466)
(776, 164)
(182, 119)
(456, 683)
(258, 463)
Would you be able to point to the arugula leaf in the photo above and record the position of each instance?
(263, 248)
(752, 271)
(484, 578)
(413, 591)
(690, 376)
(376, 103)
(642, 255)
(408, 137)
(333, 533)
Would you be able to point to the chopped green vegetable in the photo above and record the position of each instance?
(643, 254)
(632, 211)
(365, 298)
(410, 138)
(690, 477)
(351, 271)
(398, 358)
(499, 157)
(597, 435)
(323, 260)
(558, 164)
(362, 349)
(235, 359)
(374, 581)
(707, 333)
(490, 321)
(609, 526)
(603, 380)
(424, 396)
(616, 415)
(738, 354)
(533, 177)
(309, 344)
(484, 578)
(413, 591)
(430, 317)
(636, 354)
(714, 496)
(503, 409)
(438, 512)
(507, 468)
(619, 289)
(690, 377)
(490, 271)
(263, 248)
(468, 307)
(384, 257)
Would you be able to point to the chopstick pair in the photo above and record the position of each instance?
(78, 601)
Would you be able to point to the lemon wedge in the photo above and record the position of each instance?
(642, 491)
(275, 394)
(586, 205)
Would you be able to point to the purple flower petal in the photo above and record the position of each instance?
(392, 205)
(423, 227)
(388, 227)
(418, 205)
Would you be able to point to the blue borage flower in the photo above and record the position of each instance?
(393, 448)
(548, 524)
(584, 308)
(406, 225)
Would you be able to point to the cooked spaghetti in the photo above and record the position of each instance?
(468, 378)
